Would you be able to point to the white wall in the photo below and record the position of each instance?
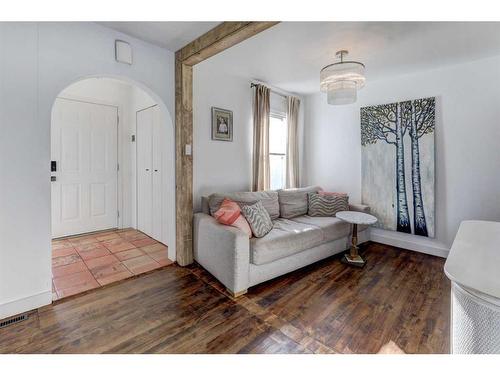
(466, 143)
(220, 166)
(38, 61)
(332, 153)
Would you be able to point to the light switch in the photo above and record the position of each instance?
(188, 150)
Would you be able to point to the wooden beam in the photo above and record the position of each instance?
(220, 38)
(183, 162)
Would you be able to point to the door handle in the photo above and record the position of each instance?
(147, 169)
(53, 178)
(53, 166)
(156, 170)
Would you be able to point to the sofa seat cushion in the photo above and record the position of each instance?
(286, 238)
(332, 228)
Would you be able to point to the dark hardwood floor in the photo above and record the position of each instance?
(400, 298)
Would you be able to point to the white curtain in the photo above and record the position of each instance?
(261, 110)
(292, 160)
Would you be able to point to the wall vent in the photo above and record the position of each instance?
(13, 320)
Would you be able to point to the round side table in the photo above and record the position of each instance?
(355, 218)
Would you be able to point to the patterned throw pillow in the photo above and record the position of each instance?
(332, 193)
(327, 205)
(258, 218)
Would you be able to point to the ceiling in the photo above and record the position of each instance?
(291, 54)
(169, 35)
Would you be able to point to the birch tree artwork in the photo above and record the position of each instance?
(397, 142)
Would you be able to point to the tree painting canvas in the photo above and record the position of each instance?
(397, 159)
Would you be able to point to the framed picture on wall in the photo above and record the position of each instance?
(222, 124)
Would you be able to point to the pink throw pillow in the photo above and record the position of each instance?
(229, 213)
(242, 224)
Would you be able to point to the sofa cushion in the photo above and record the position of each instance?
(286, 238)
(332, 228)
(326, 205)
(205, 208)
(258, 218)
(269, 199)
(293, 202)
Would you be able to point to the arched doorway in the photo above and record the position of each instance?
(112, 191)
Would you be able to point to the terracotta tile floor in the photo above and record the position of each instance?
(85, 262)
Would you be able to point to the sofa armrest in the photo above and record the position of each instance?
(222, 250)
(359, 207)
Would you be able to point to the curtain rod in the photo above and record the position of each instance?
(252, 85)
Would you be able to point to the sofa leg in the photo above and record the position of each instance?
(237, 294)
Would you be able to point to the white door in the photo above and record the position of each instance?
(84, 148)
(144, 171)
(157, 175)
(149, 218)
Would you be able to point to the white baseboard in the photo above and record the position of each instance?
(409, 242)
(25, 304)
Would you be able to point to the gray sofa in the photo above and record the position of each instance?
(294, 242)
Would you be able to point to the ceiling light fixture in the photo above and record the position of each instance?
(342, 80)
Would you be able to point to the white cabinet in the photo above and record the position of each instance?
(472, 267)
(149, 172)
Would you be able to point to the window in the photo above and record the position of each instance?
(278, 133)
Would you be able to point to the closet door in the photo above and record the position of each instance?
(145, 171)
(157, 174)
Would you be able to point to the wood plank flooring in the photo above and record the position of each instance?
(400, 298)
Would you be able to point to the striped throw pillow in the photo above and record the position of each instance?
(327, 205)
(258, 218)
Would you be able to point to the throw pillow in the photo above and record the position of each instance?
(258, 218)
(268, 198)
(242, 224)
(327, 205)
(229, 213)
(293, 202)
(333, 193)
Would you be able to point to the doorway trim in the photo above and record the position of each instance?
(166, 120)
(220, 38)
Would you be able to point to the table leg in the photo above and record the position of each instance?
(354, 258)
(354, 242)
